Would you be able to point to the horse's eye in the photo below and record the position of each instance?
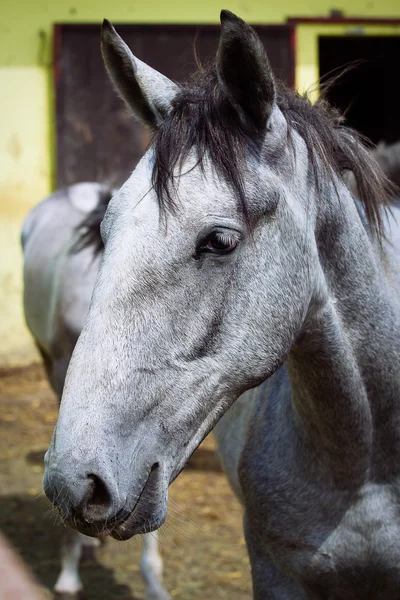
(219, 242)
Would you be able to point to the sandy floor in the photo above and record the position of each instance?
(202, 541)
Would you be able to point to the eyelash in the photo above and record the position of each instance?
(225, 240)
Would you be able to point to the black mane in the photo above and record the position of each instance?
(89, 229)
(202, 118)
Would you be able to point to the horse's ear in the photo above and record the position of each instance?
(243, 70)
(146, 92)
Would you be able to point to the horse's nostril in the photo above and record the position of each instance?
(154, 467)
(98, 499)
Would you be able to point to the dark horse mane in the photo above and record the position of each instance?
(202, 118)
(89, 229)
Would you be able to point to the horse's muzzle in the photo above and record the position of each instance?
(93, 504)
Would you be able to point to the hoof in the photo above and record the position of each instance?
(67, 596)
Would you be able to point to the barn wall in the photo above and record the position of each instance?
(26, 106)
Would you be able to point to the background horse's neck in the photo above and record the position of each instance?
(343, 368)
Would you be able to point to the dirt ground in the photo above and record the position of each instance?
(202, 541)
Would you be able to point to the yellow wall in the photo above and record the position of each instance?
(24, 179)
(26, 104)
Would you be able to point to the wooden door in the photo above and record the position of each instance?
(97, 140)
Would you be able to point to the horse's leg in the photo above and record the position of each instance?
(268, 582)
(69, 584)
(90, 545)
(74, 545)
(151, 566)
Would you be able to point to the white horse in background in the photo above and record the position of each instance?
(62, 253)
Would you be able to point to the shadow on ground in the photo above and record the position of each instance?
(35, 534)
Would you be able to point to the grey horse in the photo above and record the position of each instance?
(234, 255)
(62, 253)
(388, 157)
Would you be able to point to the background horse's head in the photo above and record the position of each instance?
(211, 265)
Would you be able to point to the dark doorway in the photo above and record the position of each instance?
(368, 93)
(96, 138)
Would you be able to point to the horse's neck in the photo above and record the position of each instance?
(344, 368)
